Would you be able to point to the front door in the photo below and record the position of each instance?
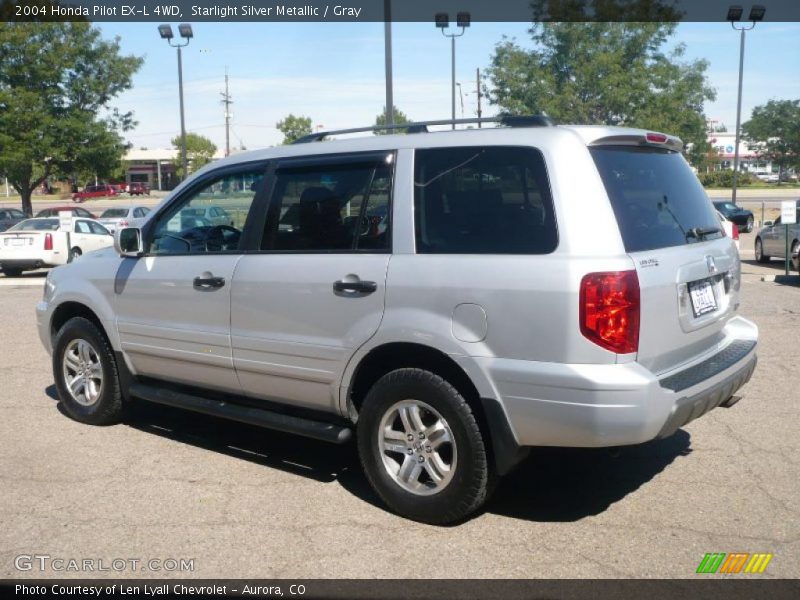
(173, 304)
(314, 292)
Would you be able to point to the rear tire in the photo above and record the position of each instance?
(749, 225)
(12, 272)
(421, 448)
(760, 256)
(75, 254)
(85, 373)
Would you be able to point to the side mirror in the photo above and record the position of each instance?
(769, 223)
(128, 242)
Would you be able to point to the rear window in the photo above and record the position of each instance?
(113, 213)
(656, 198)
(482, 200)
(36, 225)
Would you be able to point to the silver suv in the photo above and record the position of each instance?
(450, 298)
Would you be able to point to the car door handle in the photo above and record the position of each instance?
(205, 283)
(364, 287)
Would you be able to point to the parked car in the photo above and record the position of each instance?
(742, 217)
(536, 285)
(767, 177)
(731, 229)
(9, 217)
(771, 239)
(215, 215)
(76, 211)
(123, 216)
(40, 242)
(136, 188)
(95, 191)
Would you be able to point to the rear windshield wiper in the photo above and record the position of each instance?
(701, 232)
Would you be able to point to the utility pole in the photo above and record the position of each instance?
(226, 101)
(478, 89)
(387, 50)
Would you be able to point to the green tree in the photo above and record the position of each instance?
(56, 83)
(294, 128)
(400, 118)
(774, 131)
(199, 152)
(604, 73)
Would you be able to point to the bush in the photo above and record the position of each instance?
(724, 179)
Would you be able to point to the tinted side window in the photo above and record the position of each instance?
(82, 227)
(656, 198)
(330, 208)
(483, 200)
(97, 229)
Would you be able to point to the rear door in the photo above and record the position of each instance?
(688, 270)
(314, 291)
(173, 305)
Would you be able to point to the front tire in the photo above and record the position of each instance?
(760, 256)
(85, 372)
(421, 447)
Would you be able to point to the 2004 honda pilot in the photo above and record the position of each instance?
(453, 298)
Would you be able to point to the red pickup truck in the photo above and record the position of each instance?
(95, 191)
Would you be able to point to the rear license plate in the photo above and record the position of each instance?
(702, 295)
(17, 241)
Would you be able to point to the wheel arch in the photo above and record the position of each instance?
(491, 417)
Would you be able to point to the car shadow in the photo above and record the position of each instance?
(551, 485)
(568, 484)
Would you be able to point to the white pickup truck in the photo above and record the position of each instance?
(41, 242)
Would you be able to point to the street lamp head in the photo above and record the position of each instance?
(463, 19)
(442, 20)
(734, 13)
(757, 13)
(165, 31)
(186, 30)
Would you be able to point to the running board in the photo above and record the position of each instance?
(319, 430)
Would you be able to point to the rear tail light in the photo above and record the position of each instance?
(656, 138)
(609, 310)
(123, 223)
(735, 231)
(48, 241)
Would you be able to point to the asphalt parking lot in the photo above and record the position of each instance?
(244, 502)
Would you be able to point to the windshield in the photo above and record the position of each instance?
(656, 198)
(112, 213)
(36, 225)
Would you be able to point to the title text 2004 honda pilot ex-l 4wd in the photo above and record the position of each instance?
(450, 298)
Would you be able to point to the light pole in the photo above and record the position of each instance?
(387, 55)
(735, 15)
(165, 31)
(443, 22)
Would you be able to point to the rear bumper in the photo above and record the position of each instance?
(581, 405)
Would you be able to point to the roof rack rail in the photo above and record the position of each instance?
(422, 126)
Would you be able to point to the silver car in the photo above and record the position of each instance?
(123, 216)
(448, 299)
(771, 240)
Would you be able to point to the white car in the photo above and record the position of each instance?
(767, 177)
(117, 218)
(40, 242)
(731, 229)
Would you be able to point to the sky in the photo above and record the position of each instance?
(334, 73)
